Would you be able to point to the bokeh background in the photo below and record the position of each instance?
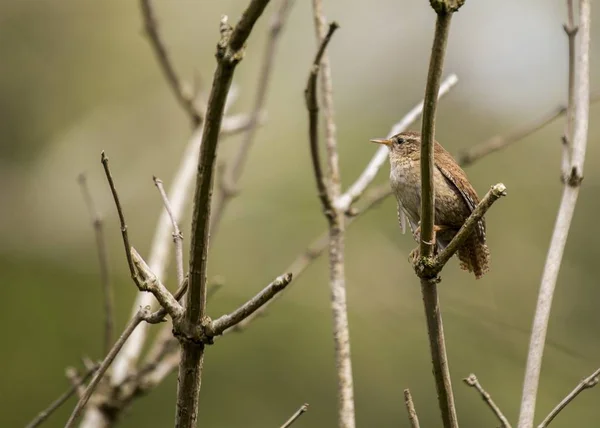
(78, 77)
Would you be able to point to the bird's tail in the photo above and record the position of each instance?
(474, 256)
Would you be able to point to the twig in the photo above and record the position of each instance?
(218, 326)
(46, 413)
(141, 273)
(410, 408)
(233, 171)
(495, 193)
(295, 416)
(109, 312)
(563, 221)
(124, 233)
(164, 61)
(441, 372)
(571, 32)
(336, 220)
(140, 316)
(230, 50)
(147, 281)
(310, 94)
(177, 235)
(473, 382)
(381, 155)
(589, 382)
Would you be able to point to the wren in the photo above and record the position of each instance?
(455, 198)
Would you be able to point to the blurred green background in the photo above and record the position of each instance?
(78, 77)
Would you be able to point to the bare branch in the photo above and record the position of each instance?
(571, 32)
(45, 414)
(563, 221)
(177, 235)
(441, 372)
(310, 94)
(495, 193)
(124, 233)
(218, 326)
(109, 312)
(164, 61)
(229, 53)
(140, 316)
(473, 382)
(589, 382)
(381, 155)
(147, 281)
(410, 408)
(295, 416)
(233, 172)
(336, 219)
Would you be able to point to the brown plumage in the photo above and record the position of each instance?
(455, 198)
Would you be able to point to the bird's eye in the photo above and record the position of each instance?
(399, 140)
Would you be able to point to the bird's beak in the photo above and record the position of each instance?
(381, 141)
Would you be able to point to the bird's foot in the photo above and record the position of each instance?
(436, 229)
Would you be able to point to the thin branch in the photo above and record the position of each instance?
(589, 382)
(233, 172)
(336, 220)
(109, 312)
(381, 155)
(495, 193)
(140, 316)
(46, 413)
(571, 32)
(147, 281)
(177, 235)
(500, 142)
(295, 416)
(218, 326)
(441, 372)
(230, 50)
(473, 382)
(410, 408)
(563, 221)
(164, 61)
(310, 94)
(124, 233)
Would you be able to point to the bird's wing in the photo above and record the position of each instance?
(455, 175)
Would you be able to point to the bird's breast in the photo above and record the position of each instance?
(405, 179)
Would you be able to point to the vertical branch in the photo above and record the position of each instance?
(563, 220)
(571, 32)
(433, 315)
(337, 280)
(230, 50)
(109, 312)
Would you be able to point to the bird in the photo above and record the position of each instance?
(455, 198)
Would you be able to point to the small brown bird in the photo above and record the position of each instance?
(455, 198)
